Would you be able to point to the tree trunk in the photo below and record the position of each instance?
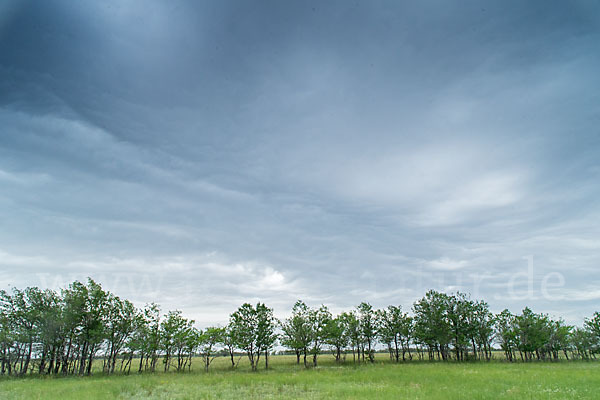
(232, 360)
(83, 358)
(28, 359)
(251, 358)
(65, 358)
(43, 361)
(305, 364)
(89, 365)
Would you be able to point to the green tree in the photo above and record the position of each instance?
(336, 336)
(229, 343)
(296, 331)
(318, 320)
(86, 309)
(120, 325)
(390, 325)
(368, 328)
(506, 334)
(432, 327)
(173, 331)
(593, 327)
(352, 326)
(253, 331)
(266, 336)
(531, 334)
(209, 339)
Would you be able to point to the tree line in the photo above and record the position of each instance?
(64, 333)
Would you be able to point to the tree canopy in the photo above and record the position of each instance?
(65, 332)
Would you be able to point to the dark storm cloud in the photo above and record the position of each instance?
(274, 149)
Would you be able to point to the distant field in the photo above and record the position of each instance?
(383, 380)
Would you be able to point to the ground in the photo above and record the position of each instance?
(382, 380)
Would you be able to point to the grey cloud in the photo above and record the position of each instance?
(335, 152)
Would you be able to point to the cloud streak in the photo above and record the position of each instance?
(332, 152)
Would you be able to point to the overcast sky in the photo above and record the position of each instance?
(204, 154)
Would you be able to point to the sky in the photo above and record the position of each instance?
(205, 154)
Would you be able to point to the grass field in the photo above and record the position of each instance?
(382, 380)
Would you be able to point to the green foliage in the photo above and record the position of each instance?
(68, 333)
(208, 342)
(335, 334)
(297, 330)
(592, 326)
(368, 328)
(253, 330)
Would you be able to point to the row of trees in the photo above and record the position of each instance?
(46, 332)
(441, 326)
(50, 333)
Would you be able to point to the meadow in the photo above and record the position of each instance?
(286, 380)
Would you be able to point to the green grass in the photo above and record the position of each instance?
(382, 380)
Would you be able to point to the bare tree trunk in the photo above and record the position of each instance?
(90, 360)
(28, 358)
(305, 364)
(83, 358)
